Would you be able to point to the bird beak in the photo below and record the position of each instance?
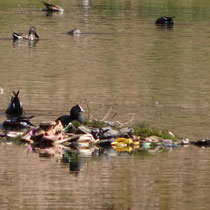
(81, 109)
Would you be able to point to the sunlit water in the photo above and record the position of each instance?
(171, 180)
(125, 63)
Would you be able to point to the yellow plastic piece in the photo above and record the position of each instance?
(123, 149)
(124, 144)
(122, 141)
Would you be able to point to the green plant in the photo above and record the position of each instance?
(143, 130)
(95, 124)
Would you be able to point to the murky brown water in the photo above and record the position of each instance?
(172, 180)
(127, 64)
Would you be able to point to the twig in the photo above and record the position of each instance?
(88, 109)
(106, 114)
(123, 124)
(119, 123)
(115, 114)
(91, 117)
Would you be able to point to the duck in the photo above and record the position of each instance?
(76, 114)
(52, 8)
(16, 117)
(201, 143)
(74, 32)
(31, 35)
(15, 107)
(165, 21)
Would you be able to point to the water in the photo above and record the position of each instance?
(171, 180)
(124, 64)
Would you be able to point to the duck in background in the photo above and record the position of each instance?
(74, 32)
(52, 8)
(201, 143)
(165, 21)
(76, 114)
(32, 35)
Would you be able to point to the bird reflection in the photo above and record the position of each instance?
(74, 160)
(85, 4)
(165, 27)
(75, 165)
(29, 43)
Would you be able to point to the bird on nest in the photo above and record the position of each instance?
(76, 113)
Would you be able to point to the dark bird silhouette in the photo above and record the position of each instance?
(75, 114)
(202, 143)
(16, 117)
(15, 107)
(166, 21)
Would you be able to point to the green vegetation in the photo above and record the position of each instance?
(95, 124)
(15, 140)
(143, 130)
(89, 123)
(140, 129)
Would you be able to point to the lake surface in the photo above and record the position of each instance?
(123, 63)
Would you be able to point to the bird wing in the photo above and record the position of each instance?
(51, 6)
(46, 4)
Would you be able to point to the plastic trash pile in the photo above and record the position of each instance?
(62, 135)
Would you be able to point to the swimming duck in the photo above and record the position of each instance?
(31, 35)
(165, 21)
(202, 143)
(74, 31)
(75, 114)
(52, 8)
(15, 107)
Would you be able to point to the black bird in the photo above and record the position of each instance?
(75, 114)
(15, 107)
(202, 143)
(166, 21)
